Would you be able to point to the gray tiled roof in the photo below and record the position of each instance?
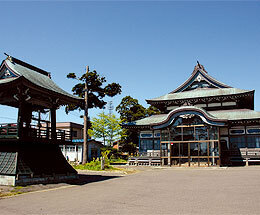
(198, 93)
(36, 78)
(151, 119)
(8, 162)
(7, 80)
(236, 114)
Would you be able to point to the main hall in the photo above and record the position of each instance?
(203, 122)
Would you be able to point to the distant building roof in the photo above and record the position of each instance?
(89, 140)
(69, 124)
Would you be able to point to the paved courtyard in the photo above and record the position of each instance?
(151, 191)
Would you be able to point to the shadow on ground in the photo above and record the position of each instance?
(85, 179)
(81, 180)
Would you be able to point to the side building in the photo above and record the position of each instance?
(73, 150)
(204, 122)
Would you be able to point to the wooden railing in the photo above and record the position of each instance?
(150, 153)
(243, 152)
(10, 130)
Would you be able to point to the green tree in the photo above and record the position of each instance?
(107, 127)
(99, 127)
(96, 91)
(115, 131)
(130, 110)
(151, 110)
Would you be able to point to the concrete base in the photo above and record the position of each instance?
(51, 179)
(7, 180)
(11, 180)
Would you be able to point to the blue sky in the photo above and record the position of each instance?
(149, 47)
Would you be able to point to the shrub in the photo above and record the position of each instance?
(93, 165)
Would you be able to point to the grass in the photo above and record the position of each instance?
(118, 160)
(94, 165)
(14, 190)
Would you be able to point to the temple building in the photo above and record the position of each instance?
(203, 122)
(29, 148)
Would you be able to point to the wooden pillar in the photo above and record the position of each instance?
(161, 147)
(199, 145)
(219, 148)
(246, 145)
(47, 130)
(169, 148)
(39, 124)
(208, 144)
(189, 154)
(20, 120)
(85, 136)
(180, 146)
(153, 139)
(53, 124)
(169, 154)
(208, 151)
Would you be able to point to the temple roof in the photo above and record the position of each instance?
(200, 74)
(199, 93)
(236, 114)
(18, 69)
(221, 115)
(199, 85)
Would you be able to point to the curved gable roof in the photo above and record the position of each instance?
(190, 89)
(163, 120)
(198, 74)
(34, 75)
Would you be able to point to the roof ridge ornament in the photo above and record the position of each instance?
(198, 64)
(199, 67)
(9, 58)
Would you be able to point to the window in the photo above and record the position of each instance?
(203, 149)
(165, 135)
(74, 133)
(146, 135)
(201, 133)
(238, 142)
(70, 148)
(156, 144)
(253, 131)
(157, 135)
(236, 131)
(213, 133)
(148, 144)
(253, 141)
(175, 134)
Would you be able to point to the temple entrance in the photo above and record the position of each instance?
(194, 154)
(191, 142)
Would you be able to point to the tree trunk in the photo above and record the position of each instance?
(85, 144)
